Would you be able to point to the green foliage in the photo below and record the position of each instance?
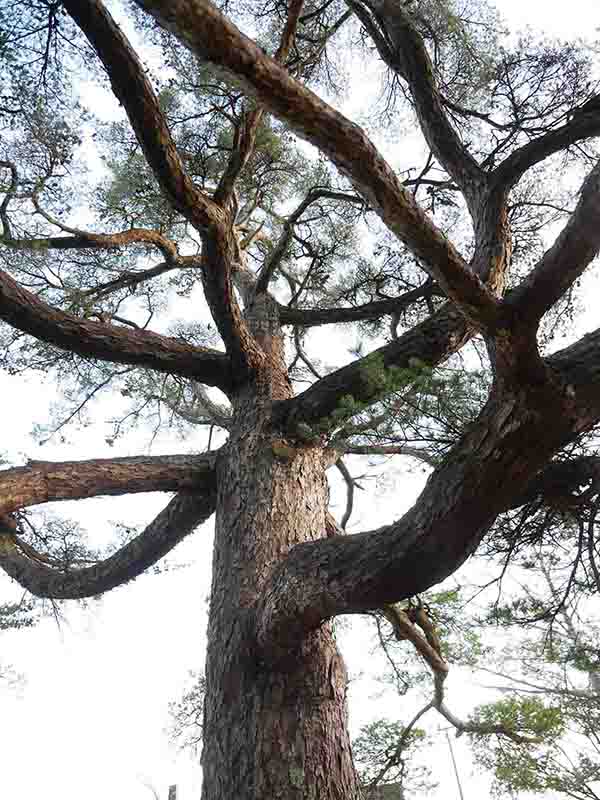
(14, 616)
(522, 714)
(385, 754)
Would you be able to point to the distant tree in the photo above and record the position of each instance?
(201, 195)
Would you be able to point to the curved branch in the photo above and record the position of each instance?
(133, 89)
(402, 48)
(131, 86)
(48, 481)
(97, 241)
(560, 266)
(350, 483)
(131, 280)
(584, 124)
(280, 249)
(181, 517)
(483, 475)
(201, 27)
(26, 312)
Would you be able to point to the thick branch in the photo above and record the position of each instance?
(402, 48)
(133, 89)
(26, 312)
(429, 343)
(47, 481)
(131, 86)
(511, 442)
(584, 124)
(97, 241)
(205, 31)
(180, 517)
(560, 266)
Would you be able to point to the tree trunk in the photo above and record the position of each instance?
(269, 732)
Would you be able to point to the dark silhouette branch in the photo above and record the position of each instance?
(309, 317)
(31, 570)
(402, 48)
(560, 266)
(122, 345)
(281, 246)
(584, 124)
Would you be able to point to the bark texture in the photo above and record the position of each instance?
(275, 711)
(269, 731)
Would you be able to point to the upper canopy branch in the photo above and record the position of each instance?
(401, 46)
(245, 132)
(133, 89)
(47, 481)
(26, 312)
(31, 569)
(281, 246)
(584, 124)
(205, 31)
(560, 266)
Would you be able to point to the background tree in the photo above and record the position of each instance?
(437, 260)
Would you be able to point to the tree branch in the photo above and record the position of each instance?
(201, 27)
(560, 266)
(584, 124)
(48, 481)
(309, 317)
(442, 334)
(245, 133)
(181, 517)
(390, 450)
(512, 440)
(131, 86)
(402, 48)
(133, 89)
(26, 312)
(280, 249)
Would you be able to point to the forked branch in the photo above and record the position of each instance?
(202, 28)
(560, 266)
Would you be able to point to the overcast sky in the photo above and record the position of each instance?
(88, 722)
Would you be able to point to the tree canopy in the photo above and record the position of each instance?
(194, 195)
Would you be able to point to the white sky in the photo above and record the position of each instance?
(89, 720)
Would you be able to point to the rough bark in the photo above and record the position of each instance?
(201, 27)
(269, 732)
(46, 481)
(275, 715)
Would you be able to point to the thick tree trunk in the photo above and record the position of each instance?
(269, 732)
